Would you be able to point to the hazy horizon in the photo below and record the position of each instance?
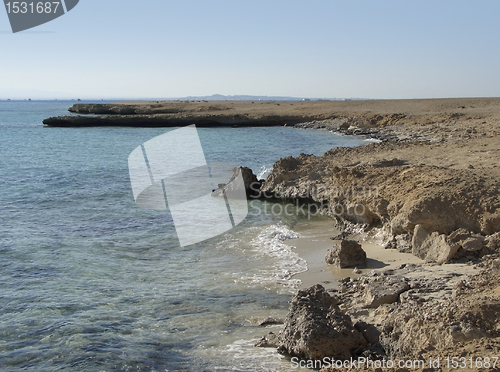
(315, 49)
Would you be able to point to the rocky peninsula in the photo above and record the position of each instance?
(364, 117)
(429, 186)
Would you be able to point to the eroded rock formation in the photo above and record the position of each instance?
(316, 328)
(346, 253)
(363, 191)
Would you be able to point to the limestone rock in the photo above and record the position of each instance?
(379, 293)
(472, 244)
(402, 195)
(346, 253)
(420, 234)
(439, 250)
(491, 223)
(432, 247)
(316, 328)
(458, 235)
(493, 242)
(403, 243)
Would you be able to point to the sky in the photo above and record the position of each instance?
(386, 49)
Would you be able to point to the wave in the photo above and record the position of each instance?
(282, 261)
(264, 171)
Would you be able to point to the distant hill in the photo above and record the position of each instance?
(221, 97)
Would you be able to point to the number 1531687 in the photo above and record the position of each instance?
(32, 7)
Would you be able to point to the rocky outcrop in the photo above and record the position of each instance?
(400, 120)
(250, 184)
(147, 121)
(390, 197)
(182, 113)
(433, 190)
(167, 120)
(122, 109)
(439, 310)
(460, 321)
(315, 328)
(492, 242)
(346, 253)
(467, 241)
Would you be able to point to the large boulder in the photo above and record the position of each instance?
(432, 247)
(346, 253)
(316, 328)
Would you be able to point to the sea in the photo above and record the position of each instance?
(91, 282)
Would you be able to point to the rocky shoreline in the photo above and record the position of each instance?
(379, 119)
(182, 113)
(430, 189)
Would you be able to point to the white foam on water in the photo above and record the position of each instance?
(264, 171)
(246, 357)
(283, 261)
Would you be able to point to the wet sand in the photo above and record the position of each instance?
(313, 242)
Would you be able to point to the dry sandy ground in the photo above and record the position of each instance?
(428, 110)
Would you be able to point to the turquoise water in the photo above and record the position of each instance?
(91, 282)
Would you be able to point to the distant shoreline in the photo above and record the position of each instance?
(368, 115)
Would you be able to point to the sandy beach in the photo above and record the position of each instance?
(315, 239)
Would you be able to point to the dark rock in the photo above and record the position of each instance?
(340, 236)
(344, 126)
(388, 163)
(356, 271)
(369, 331)
(250, 183)
(346, 253)
(316, 328)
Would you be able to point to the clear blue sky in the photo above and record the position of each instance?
(314, 48)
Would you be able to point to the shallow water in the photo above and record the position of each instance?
(92, 282)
